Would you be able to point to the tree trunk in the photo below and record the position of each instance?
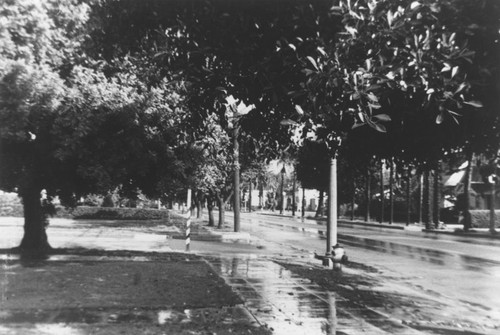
(353, 197)
(382, 193)
(282, 195)
(198, 200)
(420, 197)
(466, 210)
(427, 201)
(303, 203)
(35, 239)
(408, 196)
(221, 212)
(319, 211)
(294, 185)
(437, 195)
(368, 195)
(250, 187)
(492, 207)
(210, 208)
(261, 195)
(391, 190)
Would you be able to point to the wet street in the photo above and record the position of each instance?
(397, 282)
(454, 281)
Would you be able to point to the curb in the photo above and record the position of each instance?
(372, 225)
(211, 236)
(464, 234)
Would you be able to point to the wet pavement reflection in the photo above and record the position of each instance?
(289, 304)
(406, 246)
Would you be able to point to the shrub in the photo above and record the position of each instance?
(108, 201)
(10, 205)
(481, 218)
(93, 200)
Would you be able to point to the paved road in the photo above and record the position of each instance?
(462, 273)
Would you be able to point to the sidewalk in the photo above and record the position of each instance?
(93, 292)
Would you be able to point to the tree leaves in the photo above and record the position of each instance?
(313, 62)
(474, 103)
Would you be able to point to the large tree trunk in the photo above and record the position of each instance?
(319, 211)
(35, 222)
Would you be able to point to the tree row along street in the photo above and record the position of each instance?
(122, 109)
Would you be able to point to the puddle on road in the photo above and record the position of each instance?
(291, 304)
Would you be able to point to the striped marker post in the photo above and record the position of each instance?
(188, 221)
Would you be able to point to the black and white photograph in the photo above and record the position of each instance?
(237, 167)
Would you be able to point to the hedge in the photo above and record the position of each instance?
(117, 213)
(481, 218)
(10, 205)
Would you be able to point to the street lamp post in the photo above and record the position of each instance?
(235, 112)
(236, 147)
